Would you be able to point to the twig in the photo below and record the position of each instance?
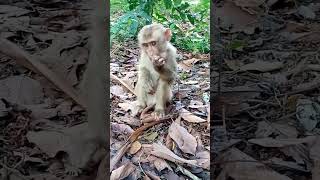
(113, 77)
(24, 58)
(140, 165)
(134, 136)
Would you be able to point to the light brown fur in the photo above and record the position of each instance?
(156, 70)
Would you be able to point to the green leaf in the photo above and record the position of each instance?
(168, 4)
(191, 18)
(177, 2)
(182, 15)
(134, 27)
(183, 6)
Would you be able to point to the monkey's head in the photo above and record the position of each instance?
(153, 39)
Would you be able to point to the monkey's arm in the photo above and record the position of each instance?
(145, 80)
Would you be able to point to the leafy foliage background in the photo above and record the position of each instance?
(188, 20)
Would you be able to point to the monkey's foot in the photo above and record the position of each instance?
(158, 114)
(72, 170)
(137, 110)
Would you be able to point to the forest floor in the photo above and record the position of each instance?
(37, 116)
(162, 150)
(38, 119)
(270, 91)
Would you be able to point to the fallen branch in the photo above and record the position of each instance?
(134, 136)
(25, 59)
(113, 77)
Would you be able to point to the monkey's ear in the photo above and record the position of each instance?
(168, 34)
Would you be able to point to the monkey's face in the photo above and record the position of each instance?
(152, 48)
(153, 39)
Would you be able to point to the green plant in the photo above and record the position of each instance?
(189, 23)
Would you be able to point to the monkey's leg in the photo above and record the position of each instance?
(141, 102)
(162, 96)
(143, 89)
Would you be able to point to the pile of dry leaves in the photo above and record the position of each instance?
(43, 53)
(269, 78)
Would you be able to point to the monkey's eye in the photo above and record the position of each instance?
(145, 45)
(153, 43)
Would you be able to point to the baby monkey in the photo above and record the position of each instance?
(156, 70)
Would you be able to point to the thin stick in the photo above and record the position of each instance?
(24, 58)
(134, 136)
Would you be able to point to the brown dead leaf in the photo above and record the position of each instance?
(251, 6)
(21, 90)
(185, 141)
(162, 151)
(314, 155)
(12, 11)
(169, 141)
(262, 66)
(203, 159)
(54, 140)
(269, 142)
(42, 111)
(190, 62)
(122, 172)
(121, 129)
(25, 59)
(126, 106)
(131, 89)
(234, 17)
(161, 164)
(188, 116)
(135, 147)
(280, 130)
(117, 90)
(246, 170)
(3, 109)
(300, 153)
(197, 105)
(233, 64)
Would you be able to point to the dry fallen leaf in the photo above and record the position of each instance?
(185, 141)
(52, 141)
(117, 90)
(122, 172)
(135, 147)
(161, 164)
(162, 151)
(121, 129)
(314, 155)
(25, 59)
(280, 130)
(190, 62)
(188, 116)
(269, 142)
(21, 90)
(203, 159)
(246, 170)
(151, 136)
(129, 87)
(233, 64)
(126, 106)
(262, 66)
(233, 16)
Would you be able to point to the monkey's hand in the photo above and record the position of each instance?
(158, 61)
